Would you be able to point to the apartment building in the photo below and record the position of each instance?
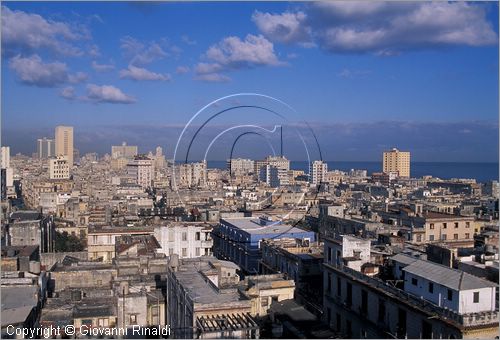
(396, 161)
(186, 239)
(239, 239)
(363, 306)
(59, 167)
(203, 301)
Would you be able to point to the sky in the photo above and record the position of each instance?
(365, 76)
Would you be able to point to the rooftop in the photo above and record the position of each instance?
(253, 226)
(199, 287)
(448, 277)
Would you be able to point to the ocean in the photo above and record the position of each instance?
(482, 172)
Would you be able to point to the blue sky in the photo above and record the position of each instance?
(362, 74)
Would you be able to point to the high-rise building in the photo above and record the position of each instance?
(5, 155)
(59, 167)
(46, 148)
(397, 161)
(141, 168)
(124, 150)
(317, 172)
(64, 142)
(281, 164)
(240, 166)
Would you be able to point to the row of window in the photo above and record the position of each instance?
(444, 237)
(445, 225)
(449, 293)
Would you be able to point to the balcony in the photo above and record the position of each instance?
(467, 320)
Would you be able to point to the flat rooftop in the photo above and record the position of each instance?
(200, 288)
(252, 226)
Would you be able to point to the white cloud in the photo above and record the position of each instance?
(68, 93)
(23, 31)
(139, 73)
(213, 78)
(141, 54)
(347, 73)
(78, 77)
(187, 40)
(233, 53)
(33, 71)
(94, 51)
(182, 69)
(107, 94)
(383, 28)
(287, 27)
(102, 67)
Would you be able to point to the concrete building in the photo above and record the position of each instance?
(31, 228)
(64, 142)
(7, 171)
(191, 175)
(397, 161)
(59, 167)
(5, 157)
(264, 290)
(273, 170)
(299, 261)
(46, 148)
(186, 239)
(239, 239)
(203, 301)
(271, 175)
(317, 172)
(240, 166)
(101, 242)
(141, 169)
(365, 306)
(445, 287)
(123, 151)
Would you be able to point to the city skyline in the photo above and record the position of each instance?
(437, 93)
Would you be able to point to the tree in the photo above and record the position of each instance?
(68, 243)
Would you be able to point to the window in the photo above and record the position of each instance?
(364, 302)
(450, 294)
(455, 236)
(467, 235)
(476, 297)
(197, 236)
(419, 238)
(184, 252)
(264, 301)
(339, 320)
(339, 286)
(431, 237)
(467, 224)
(445, 225)
(197, 251)
(349, 294)
(426, 330)
(381, 311)
(103, 322)
(443, 237)
(133, 319)
(456, 225)
(170, 251)
(329, 250)
(329, 283)
(99, 282)
(431, 226)
(431, 287)
(414, 281)
(184, 236)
